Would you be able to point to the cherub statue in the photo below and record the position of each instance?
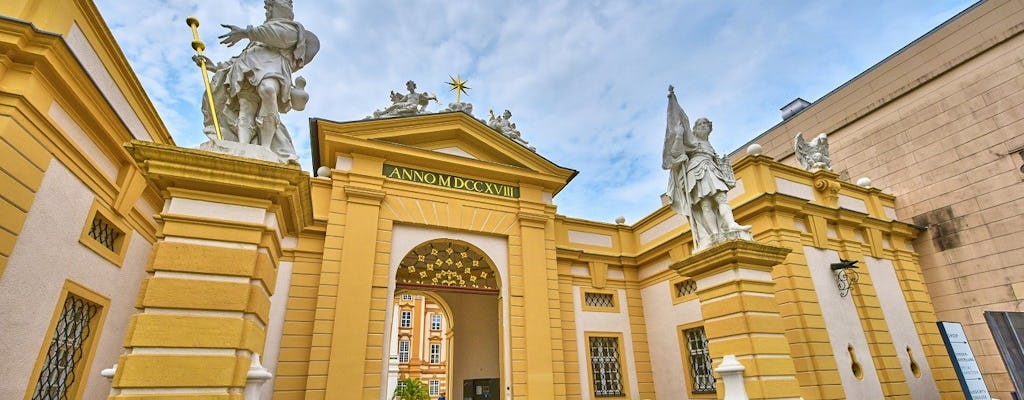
(504, 125)
(813, 155)
(699, 180)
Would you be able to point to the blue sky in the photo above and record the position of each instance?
(585, 80)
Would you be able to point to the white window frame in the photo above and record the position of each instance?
(435, 322)
(403, 354)
(435, 353)
(434, 387)
(406, 319)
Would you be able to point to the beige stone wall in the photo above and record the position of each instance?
(939, 125)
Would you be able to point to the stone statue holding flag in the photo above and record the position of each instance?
(699, 180)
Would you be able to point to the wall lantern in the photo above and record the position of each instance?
(846, 277)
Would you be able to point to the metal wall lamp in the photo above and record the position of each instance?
(846, 276)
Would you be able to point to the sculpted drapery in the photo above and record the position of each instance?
(699, 180)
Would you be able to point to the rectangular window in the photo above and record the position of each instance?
(403, 351)
(104, 234)
(598, 300)
(406, 319)
(685, 287)
(435, 387)
(702, 378)
(435, 353)
(435, 322)
(406, 297)
(604, 365)
(64, 356)
(401, 385)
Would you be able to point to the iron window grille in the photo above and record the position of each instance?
(701, 374)
(403, 351)
(604, 363)
(606, 300)
(406, 319)
(58, 373)
(104, 232)
(685, 287)
(435, 353)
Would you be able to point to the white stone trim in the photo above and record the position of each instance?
(795, 189)
(902, 328)
(93, 66)
(200, 277)
(343, 163)
(674, 222)
(853, 203)
(455, 151)
(80, 138)
(208, 242)
(590, 238)
(732, 275)
(222, 211)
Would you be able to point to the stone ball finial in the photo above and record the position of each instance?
(323, 172)
(864, 182)
(754, 149)
(620, 220)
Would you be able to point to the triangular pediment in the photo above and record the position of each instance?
(429, 140)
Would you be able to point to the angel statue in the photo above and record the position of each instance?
(699, 180)
(403, 105)
(813, 155)
(253, 89)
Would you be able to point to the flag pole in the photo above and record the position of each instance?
(199, 46)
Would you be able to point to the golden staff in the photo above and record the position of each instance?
(198, 46)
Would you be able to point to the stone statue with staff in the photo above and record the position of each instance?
(250, 91)
(699, 179)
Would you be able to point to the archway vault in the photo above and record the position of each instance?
(447, 264)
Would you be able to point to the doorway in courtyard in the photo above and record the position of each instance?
(446, 330)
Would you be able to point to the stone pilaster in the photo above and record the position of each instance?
(204, 307)
(540, 383)
(737, 297)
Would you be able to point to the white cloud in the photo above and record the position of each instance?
(585, 81)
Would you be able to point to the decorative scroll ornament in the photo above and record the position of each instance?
(846, 276)
(447, 263)
(830, 189)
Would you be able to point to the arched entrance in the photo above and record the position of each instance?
(453, 286)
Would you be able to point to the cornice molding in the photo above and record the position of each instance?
(286, 186)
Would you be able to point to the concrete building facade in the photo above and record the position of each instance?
(938, 124)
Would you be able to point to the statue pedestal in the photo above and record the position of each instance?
(205, 305)
(245, 150)
(737, 301)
